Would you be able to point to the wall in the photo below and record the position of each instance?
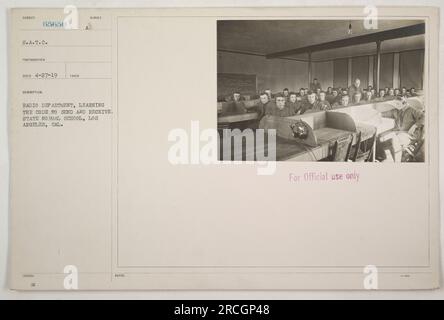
(360, 70)
(387, 68)
(397, 70)
(323, 71)
(275, 74)
(411, 68)
(340, 72)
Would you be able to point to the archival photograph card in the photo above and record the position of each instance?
(224, 148)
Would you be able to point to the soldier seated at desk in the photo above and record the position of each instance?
(368, 96)
(325, 105)
(312, 104)
(404, 92)
(293, 103)
(409, 123)
(280, 108)
(390, 95)
(397, 92)
(381, 96)
(333, 97)
(236, 106)
(413, 92)
(329, 91)
(286, 94)
(264, 103)
(345, 101)
(302, 96)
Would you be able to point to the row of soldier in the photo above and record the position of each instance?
(288, 103)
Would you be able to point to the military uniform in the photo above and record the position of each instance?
(315, 86)
(405, 118)
(325, 105)
(273, 110)
(308, 107)
(337, 105)
(260, 109)
(355, 103)
(302, 98)
(379, 99)
(236, 107)
(296, 106)
(353, 89)
(400, 138)
(330, 98)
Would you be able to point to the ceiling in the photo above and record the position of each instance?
(268, 36)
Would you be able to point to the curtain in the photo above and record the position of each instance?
(340, 73)
(411, 67)
(386, 78)
(360, 70)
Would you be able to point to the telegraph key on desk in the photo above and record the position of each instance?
(290, 129)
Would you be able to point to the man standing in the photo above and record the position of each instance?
(315, 85)
(356, 86)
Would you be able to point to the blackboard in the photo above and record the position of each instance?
(227, 83)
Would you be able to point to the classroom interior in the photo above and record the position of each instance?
(351, 92)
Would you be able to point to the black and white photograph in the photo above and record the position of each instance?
(330, 90)
(214, 152)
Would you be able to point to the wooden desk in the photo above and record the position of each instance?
(289, 150)
(239, 117)
(366, 118)
(286, 150)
